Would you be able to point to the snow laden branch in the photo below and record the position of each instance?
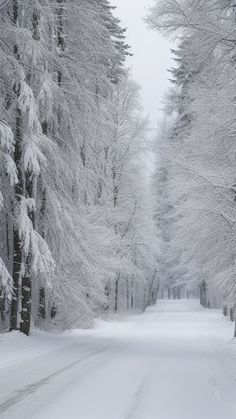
(195, 175)
(71, 147)
(6, 282)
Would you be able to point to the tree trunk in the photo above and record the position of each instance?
(132, 295)
(60, 37)
(127, 295)
(26, 299)
(203, 294)
(156, 293)
(116, 292)
(17, 248)
(42, 305)
(231, 314)
(26, 287)
(60, 46)
(2, 305)
(225, 310)
(7, 237)
(42, 293)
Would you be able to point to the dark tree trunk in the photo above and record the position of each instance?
(61, 47)
(42, 308)
(116, 292)
(156, 293)
(53, 312)
(231, 314)
(132, 301)
(17, 248)
(203, 294)
(132, 295)
(151, 291)
(7, 237)
(2, 294)
(225, 310)
(42, 293)
(2, 305)
(26, 287)
(60, 36)
(22, 285)
(26, 299)
(127, 295)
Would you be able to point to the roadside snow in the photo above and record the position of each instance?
(16, 347)
(176, 361)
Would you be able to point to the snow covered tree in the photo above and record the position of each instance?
(200, 143)
(73, 202)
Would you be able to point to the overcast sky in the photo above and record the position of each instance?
(151, 54)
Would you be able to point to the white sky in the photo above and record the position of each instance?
(151, 57)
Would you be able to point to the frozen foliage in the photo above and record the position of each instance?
(6, 148)
(77, 219)
(6, 284)
(196, 148)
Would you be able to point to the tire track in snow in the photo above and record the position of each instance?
(135, 410)
(32, 388)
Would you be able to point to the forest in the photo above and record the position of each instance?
(117, 237)
(195, 180)
(84, 230)
(77, 227)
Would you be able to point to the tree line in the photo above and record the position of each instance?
(77, 228)
(195, 179)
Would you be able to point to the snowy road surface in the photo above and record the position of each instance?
(176, 361)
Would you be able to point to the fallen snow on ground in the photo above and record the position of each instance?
(176, 361)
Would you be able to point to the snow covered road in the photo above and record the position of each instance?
(176, 361)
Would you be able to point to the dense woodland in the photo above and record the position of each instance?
(77, 229)
(195, 179)
(113, 233)
(84, 232)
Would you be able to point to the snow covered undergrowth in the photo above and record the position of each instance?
(176, 361)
